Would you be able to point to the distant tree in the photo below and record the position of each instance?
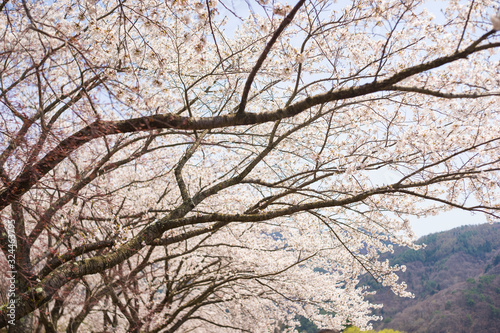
(199, 166)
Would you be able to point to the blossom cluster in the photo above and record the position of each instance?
(201, 218)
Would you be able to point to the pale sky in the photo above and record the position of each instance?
(445, 221)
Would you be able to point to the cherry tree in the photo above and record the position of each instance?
(211, 166)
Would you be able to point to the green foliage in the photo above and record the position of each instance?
(486, 279)
(409, 256)
(477, 291)
(440, 246)
(431, 239)
(496, 261)
(469, 243)
(431, 287)
(495, 312)
(471, 296)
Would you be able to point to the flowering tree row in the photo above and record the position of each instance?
(226, 166)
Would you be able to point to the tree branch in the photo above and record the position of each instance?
(248, 84)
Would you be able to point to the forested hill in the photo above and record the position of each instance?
(456, 282)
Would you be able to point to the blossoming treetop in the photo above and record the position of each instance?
(165, 173)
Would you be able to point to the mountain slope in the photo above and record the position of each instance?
(456, 282)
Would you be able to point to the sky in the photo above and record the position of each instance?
(445, 221)
(426, 225)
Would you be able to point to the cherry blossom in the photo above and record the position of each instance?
(495, 21)
(215, 166)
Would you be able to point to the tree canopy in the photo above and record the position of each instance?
(222, 166)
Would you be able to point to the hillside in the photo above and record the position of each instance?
(456, 282)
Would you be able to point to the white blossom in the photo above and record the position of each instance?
(147, 200)
(495, 21)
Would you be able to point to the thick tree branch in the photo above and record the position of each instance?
(435, 93)
(43, 292)
(2, 5)
(102, 128)
(248, 84)
(31, 174)
(59, 260)
(70, 270)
